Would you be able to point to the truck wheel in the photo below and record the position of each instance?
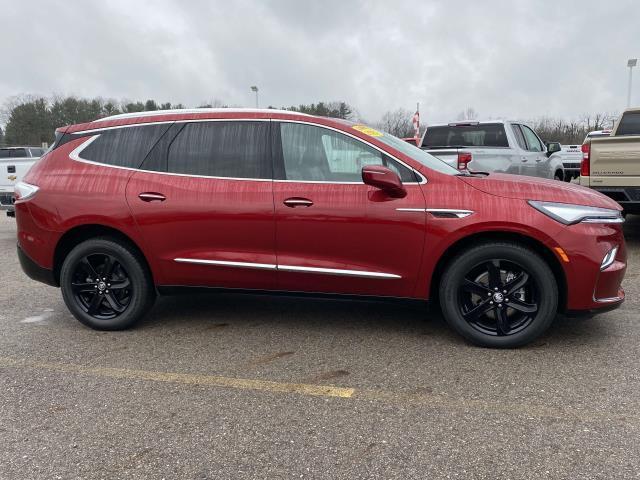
(558, 176)
(499, 294)
(105, 285)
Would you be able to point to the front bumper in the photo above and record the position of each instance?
(590, 290)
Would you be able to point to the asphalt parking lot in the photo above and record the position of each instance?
(227, 386)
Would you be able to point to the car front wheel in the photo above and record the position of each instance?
(105, 284)
(499, 295)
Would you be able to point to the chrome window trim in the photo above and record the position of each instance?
(289, 268)
(75, 154)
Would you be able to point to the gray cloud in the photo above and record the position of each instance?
(517, 59)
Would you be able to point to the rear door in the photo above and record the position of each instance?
(334, 233)
(204, 205)
(615, 160)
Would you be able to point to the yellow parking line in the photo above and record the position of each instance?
(434, 401)
(187, 378)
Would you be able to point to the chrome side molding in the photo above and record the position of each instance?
(440, 212)
(289, 268)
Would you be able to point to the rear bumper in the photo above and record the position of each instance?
(627, 197)
(35, 271)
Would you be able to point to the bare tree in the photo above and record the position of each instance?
(468, 114)
(398, 123)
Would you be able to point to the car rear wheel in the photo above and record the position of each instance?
(499, 295)
(105, 285)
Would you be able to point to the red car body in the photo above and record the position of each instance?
(399, 246)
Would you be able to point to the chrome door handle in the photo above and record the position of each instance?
(151, 197)
(297, 202)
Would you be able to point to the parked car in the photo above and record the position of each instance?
(264, 200)
(571, 157)
(493, 146)
(611, 162)
(14, 163)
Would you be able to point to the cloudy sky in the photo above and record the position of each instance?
(518, 59)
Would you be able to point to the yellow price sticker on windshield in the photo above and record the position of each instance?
(367, 130)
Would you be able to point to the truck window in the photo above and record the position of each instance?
(519, 136)
(481, 135)
(532, 139)
(629, 124)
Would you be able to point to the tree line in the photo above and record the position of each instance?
(32, 120)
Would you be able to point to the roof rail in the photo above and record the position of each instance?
(153, 113)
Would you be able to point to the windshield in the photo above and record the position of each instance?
(409, 150)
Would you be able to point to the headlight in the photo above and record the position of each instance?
(24, 191)
(570, 214)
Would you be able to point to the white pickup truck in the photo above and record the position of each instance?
(493, 146)
(14, 164)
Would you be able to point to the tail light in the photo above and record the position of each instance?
(463, 159)
(24, 191)
(585, 166)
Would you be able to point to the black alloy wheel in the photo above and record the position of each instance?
(499, 294)
(106, 284)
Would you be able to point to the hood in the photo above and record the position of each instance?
(531, 188)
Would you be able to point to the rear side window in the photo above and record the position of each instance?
(629, 124)
(222, 149)
(123, 147)
(13, 153)
(481, 135)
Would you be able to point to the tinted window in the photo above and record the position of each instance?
(222, 149)
(318, 154)
(36, 152)
(519, 137)
(5, 153)
(532, 140)
(481, 135)
(629, 124)
(123, 147)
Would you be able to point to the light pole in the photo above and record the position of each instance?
(255, 89)
(631, 63)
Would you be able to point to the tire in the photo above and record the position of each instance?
(474, 302)
(558, 176)
(115, 303)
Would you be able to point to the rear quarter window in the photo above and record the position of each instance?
(123, 147)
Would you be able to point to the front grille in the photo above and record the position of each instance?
(6, 199)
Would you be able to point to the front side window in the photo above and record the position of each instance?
(312, 153)
(123, 147)
(222, 149)
(532, 139)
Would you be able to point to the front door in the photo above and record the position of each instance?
(205, 205)
(334, 233)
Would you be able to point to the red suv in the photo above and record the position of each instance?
(128, 207)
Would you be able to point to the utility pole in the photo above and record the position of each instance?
(255, 89)
(631, 63)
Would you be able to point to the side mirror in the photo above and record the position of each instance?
(385, 179)
(553, 147)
